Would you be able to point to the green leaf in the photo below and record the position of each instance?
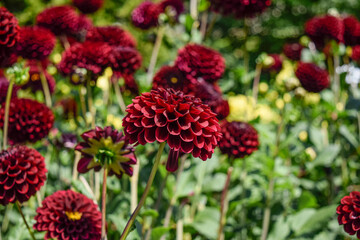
(348, 135)
(281, 230)
(298, 220)
(150, 212)
(207, 222)
(316, 137)
(326, 156)
(158, 232)
(214, 183)
(307, 200)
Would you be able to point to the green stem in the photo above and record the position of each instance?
(245, 51)
(337, 86)
(23, 217)
(91, 104)
(243, 196)
(119, 97)
(82, 103)
(154, 54)
(255, 89)
(7, 110)
(45, 85)
(224, 204)
(146, 192)
(103, 206)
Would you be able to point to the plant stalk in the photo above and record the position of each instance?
(255, 89)
(119, 97)
(103, 206)
(45, 85)
(26, 223)
(7, 111)
(224, 204)
(154, 54)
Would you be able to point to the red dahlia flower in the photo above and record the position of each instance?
(352, 31)
(7, 58)
(355, 53)
(29, 120)
(171, 77)
(22, 174)
(9, 29)
(34, 82)
(312, 77)
(293, 51)
(197, 61)
(130, 84)
(239, 8)
(125, 61)
(146, 15)
(106, 148)
(276, 65)
(183, 121)
(69, 215)
(35, 43)
(112, 35)
(88, 6)
(349, 213)
(173, 8)
(239, 139)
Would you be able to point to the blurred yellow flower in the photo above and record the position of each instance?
(287, 97)
(303, 135)
(280, 103)
(263, 87)
(312, 98)
(114, 121)
(311, 153)
(266, 114)
(286, 73)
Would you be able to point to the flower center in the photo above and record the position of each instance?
(174, 80)
(105, 156)
(73, 216)
(35, 77)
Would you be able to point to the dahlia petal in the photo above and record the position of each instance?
(82, 166)
(348, 228)
(161, 134)
(174, 128)
(150, 135)
(187, 147)
(141, 137)
(174, 142)
(23, 188)
(160, 120)
(172, 163)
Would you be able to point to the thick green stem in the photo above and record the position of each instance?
(154, 54)
(337, 86)
(103, 206)
(267, 213)
(23, 217)
(224, 204)
(243, 196)
(91, 104)
(146, 192)
(7, 110)
(255, 89)
(45, 85)
(119, 97)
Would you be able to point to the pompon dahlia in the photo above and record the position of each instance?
(197, 61)
(173, 8)
(355, 53)
(239, 8)
(35, 43)
(349, 213)
(68, 215)
(184, 122)
(293, 51)
(352, 31)
(276, 64)
(171, 77)
(106, 148)
(240, 139)
(29, 120)
(4, 85)
(312, 77)
(125, 61)
(22, 174)
(34, 82)
(145, 16)
(112, 35)
(88, 6)
(9, 29)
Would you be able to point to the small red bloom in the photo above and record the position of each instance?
(355, 54)
(312, 77)
(35, 43)
(293, 51)
(276, 65)
(171, 77)
(106, 148)
(29, 120)
(88, 6)
(239, 8)
(22, 174)
(9, 29)
(349, 213)
(197, 61)
(34, 82)
(68, 215)
(112, 35)
(145, 16)
(184, 122)
(352, 31)
(125, 61)
(172, 8)
(239, 139)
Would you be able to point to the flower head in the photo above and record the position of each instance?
(68, 215)
(184, 122)
(9, 33)
(312, 77)
(106, 148)
(349, 213)
(22, 173)
(34, 82)
(35, 43)
(276, 64)
(112, 35)
(240, 139)
(171, 77)
(125, 61)
(351, 31)
(4, 85)
(173, 8)
(145, 16)
(7, 58)
(197, 61)
(355, 53)
(293, 51)
(88, 6)
(29, 120)
(239, 8)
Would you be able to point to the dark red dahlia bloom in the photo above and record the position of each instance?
(22, 174)
(276, 65)
(352, 31)
(312, 77)
(88, 6)
(355, 53)
(197, 61)
(9, 29)
(35, 43)
(173, 8)
(7, 58)
(125, 61)
(239, 8)
(130, 84)
(146, 15)
(4, 85)
(34, 82)
(29, 120)
(106, 148)
(349, 213)
(171, 77)
(112, 35)
(184, 122)
(293, 51)
(240, 139)
(68, 215)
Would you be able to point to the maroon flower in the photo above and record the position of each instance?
(9, 29)
(146, 15)
(349, 213)
(7, 58)
(106, 148)
(34, 82)
(173, 8)
(125, 61)
(88, 6)
(22, 174)
(130, 84)
(240, 139)
(29, 120)
(69, 215)
(35, 43)
(4, 85)
(183, 121)
(112, 35)
(312, 77)
(355, 53)
(239, 8)
(352, 31)
(197, 61)
(171, 77)
(276, 65)
(293, 51)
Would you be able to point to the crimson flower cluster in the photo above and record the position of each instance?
(184, 122)
(239, 8)
(352, 31)
(312, 77)
(276, 65)
(349, 213)
(68, 215)
(88, 6)
(293, 51)
(9, 35)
